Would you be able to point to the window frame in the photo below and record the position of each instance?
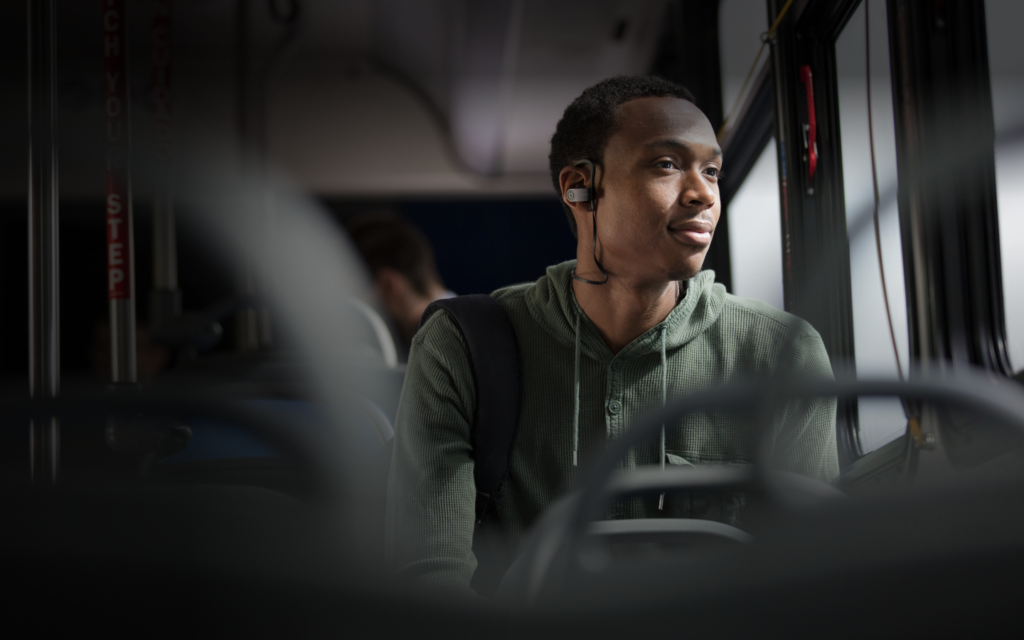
(746, 140)
(945, 151)
(816, 256)
(951, 254)
(954, 314)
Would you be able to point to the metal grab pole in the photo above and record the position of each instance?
(255, 328)
(120, 243)
(165, 298)
(43, 238)
(248, 319)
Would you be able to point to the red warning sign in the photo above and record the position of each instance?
(118, 203)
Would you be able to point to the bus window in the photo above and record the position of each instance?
(753, 216)
(1007, 68)
(755, 234)
(740, 38)
(880, 420)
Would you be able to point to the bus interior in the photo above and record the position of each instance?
(198, 381)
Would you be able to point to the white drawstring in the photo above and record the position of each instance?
(664, 401)
(576, 398)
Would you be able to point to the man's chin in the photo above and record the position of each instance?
(688, 269)
(684, 275)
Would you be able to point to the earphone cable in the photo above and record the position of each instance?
(593, 209)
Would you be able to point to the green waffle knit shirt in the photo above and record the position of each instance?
(710, 338)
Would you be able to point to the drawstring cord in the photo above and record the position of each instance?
(576, 398)
(576, 401)
(664, 402)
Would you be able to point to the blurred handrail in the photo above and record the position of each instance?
(566, 546)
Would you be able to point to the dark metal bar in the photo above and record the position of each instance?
(816, 262)
(165, 298)
(120, 232)
(247, 322)
(44, 262)
(826, 19)
(945, 135)
(786, 143)
(288, 17)
(43, 236)
(243, 72)
(749, 134)
(44, 450)
(122, 346)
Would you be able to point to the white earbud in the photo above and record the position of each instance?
(577, 195)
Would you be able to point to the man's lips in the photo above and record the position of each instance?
(695, 232)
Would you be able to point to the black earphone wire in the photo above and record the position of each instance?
(592, 192)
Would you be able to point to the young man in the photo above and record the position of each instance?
(603, 338)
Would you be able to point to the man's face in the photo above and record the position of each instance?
(658, 195)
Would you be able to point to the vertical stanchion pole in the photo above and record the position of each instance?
(43, 239)
(247, 338)
(120, 244)
(165, 299)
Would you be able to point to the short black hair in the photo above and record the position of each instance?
(385, 239)
(589, 121)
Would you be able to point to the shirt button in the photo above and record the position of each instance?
(617, 366)
(614, 407)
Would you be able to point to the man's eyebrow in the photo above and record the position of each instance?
(682, 146)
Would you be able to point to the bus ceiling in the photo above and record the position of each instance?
(465, 93)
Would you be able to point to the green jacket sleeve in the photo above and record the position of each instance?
(431, 492)
(805, 441)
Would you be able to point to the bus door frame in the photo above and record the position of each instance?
(949, 222)
(949, 228)
(940, 57)
(43, 242)
(815, 245)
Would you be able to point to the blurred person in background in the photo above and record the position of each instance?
(401, 263)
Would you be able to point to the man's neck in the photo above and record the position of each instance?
(624, 310)
(415, 307)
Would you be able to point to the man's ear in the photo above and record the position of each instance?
(575, 178)
(390, 284)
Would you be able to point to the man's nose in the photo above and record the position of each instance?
(697, 191)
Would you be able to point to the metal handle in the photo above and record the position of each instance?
(564, 549)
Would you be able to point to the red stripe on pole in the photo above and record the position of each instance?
(118, 203)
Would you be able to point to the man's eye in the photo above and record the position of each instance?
(713, 172)
(665, 164)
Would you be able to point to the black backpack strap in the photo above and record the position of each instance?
(494, 358)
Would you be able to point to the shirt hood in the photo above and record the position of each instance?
(552, 303)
